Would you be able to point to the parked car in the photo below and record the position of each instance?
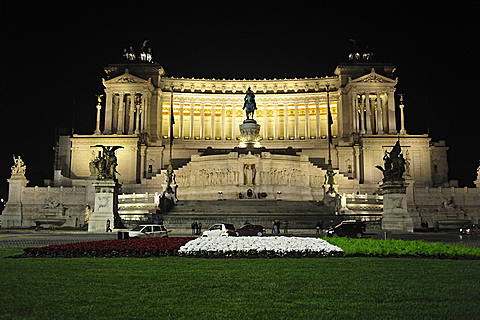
(220, 230)
(347, 229)
(472, 229)
(251, 230)
(148, 231)
(358, 222)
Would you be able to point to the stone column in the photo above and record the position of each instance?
(297, 124)
(222, 123)
(144, 113)
(392, 128)
(180, 125)
(97, 129)
(234, 115)
(131, 113)
(362, 114)
(307, 120)
(402, 118)
(265, 121)
(143, 164)
(192, 119)
(395, 212)
(369, 113)
(275, 122)
(121, 113)
(317, 119)
(213, 124)
(379, 114)
(107, 128)
(138, 111)
(202, 121)
(356, 124)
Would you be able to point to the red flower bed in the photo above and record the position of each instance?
(139, 248)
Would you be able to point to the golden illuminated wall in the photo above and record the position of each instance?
(219, 120)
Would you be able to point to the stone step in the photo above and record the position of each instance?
(251, 207)
(302, 222)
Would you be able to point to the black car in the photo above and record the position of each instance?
(251, 230)
(347, 229)
(472, 229)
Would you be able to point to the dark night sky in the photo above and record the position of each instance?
(53, 53)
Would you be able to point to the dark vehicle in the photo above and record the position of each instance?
(352, 229)
(251, 230)
(360, 223)
(473, 229)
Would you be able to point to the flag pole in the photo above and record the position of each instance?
(330, 121)
(330, 172)
(172, 121)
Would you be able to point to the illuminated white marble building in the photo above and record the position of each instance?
(209, 162)
(292, 114)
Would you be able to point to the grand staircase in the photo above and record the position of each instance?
(299, 214)
(136, 209)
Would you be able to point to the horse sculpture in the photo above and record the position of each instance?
(249, 106)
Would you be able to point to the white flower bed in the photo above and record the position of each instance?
(259, 245)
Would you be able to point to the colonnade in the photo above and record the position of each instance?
(126, 112)
(373, 112)
(220, 121)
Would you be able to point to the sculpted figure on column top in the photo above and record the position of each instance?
(18, 166)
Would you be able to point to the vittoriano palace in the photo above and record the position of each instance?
(189, 149)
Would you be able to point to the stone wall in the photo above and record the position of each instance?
(446, 204)
(49, 205)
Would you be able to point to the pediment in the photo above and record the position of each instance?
(373, 77)
(126, 78)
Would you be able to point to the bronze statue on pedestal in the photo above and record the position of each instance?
(250, 105)
(394, 164)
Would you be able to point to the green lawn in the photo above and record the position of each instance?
(196, 288)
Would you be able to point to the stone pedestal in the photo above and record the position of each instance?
(12, 215)
(395, 211)
(249, 131)
(106, 206)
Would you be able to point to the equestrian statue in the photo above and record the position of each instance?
(249, 106)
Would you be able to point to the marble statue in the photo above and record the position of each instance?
(250, 173)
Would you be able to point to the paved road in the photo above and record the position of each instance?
(30, 238)
(445, 237)
(20, 238)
